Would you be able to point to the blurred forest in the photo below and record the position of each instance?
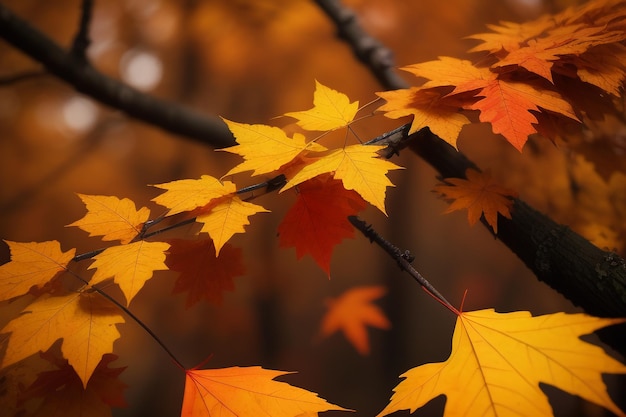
(250, 61)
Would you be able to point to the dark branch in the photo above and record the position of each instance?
(378, 58)
(82, 39)
(89, 81)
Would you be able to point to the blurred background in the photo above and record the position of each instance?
(250, 61)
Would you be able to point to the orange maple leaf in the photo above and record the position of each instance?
(429, 109)
(503, 103)
(85, 322)
(480, 195)
(265, 148)
(202, 274)
(249, 391)
(32, 264)
(359, 167)
(317, 221)
(187, 195)
(498, 361)
(111, 217)
(63, 393)
(331, 110)
(130, 265)
(351, 312)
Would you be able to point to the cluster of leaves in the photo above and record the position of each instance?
(534, 77)
(497, 360)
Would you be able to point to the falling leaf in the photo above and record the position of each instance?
(498, 361)
(227, 219)
(359, 168)
(32, 264)
(130, 265)
(331, 110)
(480, 195)
(265, 148)
(317, 221)
(442, 115)
(202, 274)
(352, 312)
(249, 391)
(85, 322)
(112, 218)
(63, 393)
(188, 195)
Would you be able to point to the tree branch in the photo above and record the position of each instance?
(85, 78)
(82, 39)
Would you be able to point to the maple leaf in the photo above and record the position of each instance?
(480, 195)
(203, 275)
(505, 104)
(247, 391)
(227, 219)
(351, 312)
(112, 218)
(510, 36)
(428, 108)
(130, 265)
(498, 361)
(265, 148)
(331, 110)
(317, 221)
(64, 395)
(359, 168)
(32, 264)
(84, 322)
(188, 195)
(539, 55)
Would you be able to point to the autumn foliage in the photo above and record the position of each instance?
(531, 78)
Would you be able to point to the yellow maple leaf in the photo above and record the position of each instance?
(351, 312)
(359, 168)
(111, 217)
(428, 109)
(226, 219)
(498, 361)
(265, 148)
(331, 110)
(130, 265)
(32, 265)
(84, 322)
(479, 194)
(247, 391)
(187, 195)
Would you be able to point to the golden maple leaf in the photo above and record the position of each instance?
(480, 195)
(351, 312)
(226, 219)
(428, 108)
(188, 195)
(265, 148)
(498, 361)
(359, 168)
(32, 265)
(331, 110)
(130, 265)
(84, 322)
(247, 391)
(111, 217)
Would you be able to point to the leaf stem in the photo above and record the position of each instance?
(403, 259)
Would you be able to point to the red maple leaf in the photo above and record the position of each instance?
(203, 275)
(317, 222)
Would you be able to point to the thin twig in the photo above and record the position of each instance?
(82, 39)
(403, 259)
